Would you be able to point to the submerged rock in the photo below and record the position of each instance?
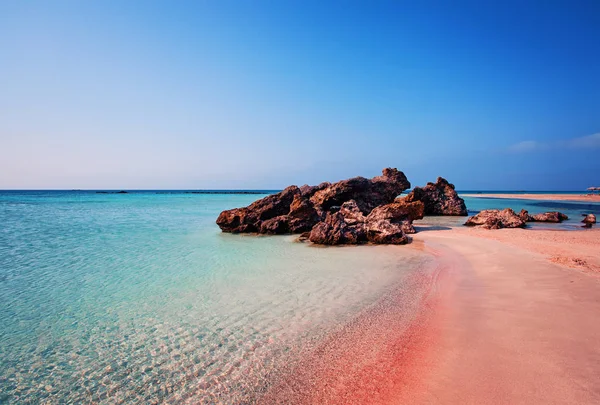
(496, 219)
(589, 220)
(440, 198)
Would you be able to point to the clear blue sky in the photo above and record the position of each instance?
(262, 94)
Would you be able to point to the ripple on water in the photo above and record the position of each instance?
(140, 299)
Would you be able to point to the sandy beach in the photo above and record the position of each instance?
(518, 323)
(554, 197)
(505, 317)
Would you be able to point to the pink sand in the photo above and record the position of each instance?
(505, 317)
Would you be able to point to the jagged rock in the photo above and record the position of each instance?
(391, 222)
(386, 232)
(249, 219)
(553, 216)
(589, 220)
(398, 212)
(303, 215)
(303, 236)
(275, 226)
(524, 215)
(368, 194)
(439, 198)
(346, 226)
(308, 205)
(387, 224)
(496, 219)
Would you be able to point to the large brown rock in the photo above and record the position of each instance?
(367, 194)
(387, 232)
(386, 224)
(524, 215)
(306, 206)
(303, 215)
(346, 226)
(439, 198)
(391, 222)
(496, 219)
(398, 212)
(275, 226)
(249, 219)
(552, 216)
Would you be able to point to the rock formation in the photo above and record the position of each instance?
(589, 220)
(496, 219)
(391, 222)
(303, 215)
(299, 209)
(346, 226)
(367, 194)
(439, 198)
(400, 213)
(387, 223)
(250, 218)
(552, 216)
(350, 211)
(524, 215)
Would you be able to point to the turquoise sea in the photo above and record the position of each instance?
(139, 298)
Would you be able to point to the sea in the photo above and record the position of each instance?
(138, 297)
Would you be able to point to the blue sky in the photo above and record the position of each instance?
(262, 94)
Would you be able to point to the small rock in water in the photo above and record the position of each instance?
(524, 215)
(496, 219)
(589, 219)
(553, 216)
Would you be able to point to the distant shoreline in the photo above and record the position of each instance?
(552, 197)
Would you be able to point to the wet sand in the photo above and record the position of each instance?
(516, 326)
(548, 197)
(500, 317)
(372, 359)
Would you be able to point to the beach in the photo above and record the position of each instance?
(501, 321)
(183, 313)
(517, 325)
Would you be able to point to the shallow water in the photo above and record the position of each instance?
(139, 298)
(574, 210)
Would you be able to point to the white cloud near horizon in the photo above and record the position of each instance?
(581, 142)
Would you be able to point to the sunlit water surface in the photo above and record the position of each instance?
(139, 298)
